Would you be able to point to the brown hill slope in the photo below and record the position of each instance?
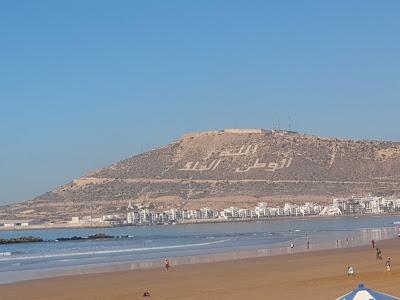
(221, 168)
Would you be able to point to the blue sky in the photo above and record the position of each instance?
(84, 84)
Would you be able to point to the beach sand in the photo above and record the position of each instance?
(311, 275)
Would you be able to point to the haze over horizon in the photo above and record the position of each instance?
(84, 85)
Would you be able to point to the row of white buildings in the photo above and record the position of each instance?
(147, 216)
(362, 205)
(139, 215)
(14, 224)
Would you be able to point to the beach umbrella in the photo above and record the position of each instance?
(362, 293)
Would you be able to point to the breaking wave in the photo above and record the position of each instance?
(109, 251)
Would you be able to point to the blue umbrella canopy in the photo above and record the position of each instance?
(362, 293)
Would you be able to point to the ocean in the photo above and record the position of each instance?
(148, 246)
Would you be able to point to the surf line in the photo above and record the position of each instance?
(113, 251)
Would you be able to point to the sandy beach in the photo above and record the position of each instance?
(311, 275)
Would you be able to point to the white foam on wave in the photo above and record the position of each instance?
(112, 251)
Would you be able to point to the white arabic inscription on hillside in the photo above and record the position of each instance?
(197, 167)
(244, 150)
(268, 167)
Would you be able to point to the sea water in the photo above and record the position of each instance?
(147, 246)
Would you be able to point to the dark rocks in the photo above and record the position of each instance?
(24, 239)
(97, 236)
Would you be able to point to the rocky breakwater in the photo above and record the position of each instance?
(97, 236)
(24, 239)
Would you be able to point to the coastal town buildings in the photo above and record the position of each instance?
(367, 205)
(145, 215)
(339, 206)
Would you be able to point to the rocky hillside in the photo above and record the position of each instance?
(220, 168)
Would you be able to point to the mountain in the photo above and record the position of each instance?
(228, 167)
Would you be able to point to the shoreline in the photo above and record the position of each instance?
(307, 275)
(362, 238)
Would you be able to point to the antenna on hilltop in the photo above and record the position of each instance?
(276, 125)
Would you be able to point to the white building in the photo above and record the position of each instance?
(330, 210)
(132, 217)
(75, 220)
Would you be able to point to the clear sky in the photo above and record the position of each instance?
(84, 84)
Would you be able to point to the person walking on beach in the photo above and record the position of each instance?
(387, 264)
(308, 244)
(373, 243)
(167, 264)
(378, 254)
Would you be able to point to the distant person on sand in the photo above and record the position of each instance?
(387, 264)
(350, 271)
(291, 247)
(146, 294)
(167, 264)
(308, 244)
(378, 253)
(373, 243)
